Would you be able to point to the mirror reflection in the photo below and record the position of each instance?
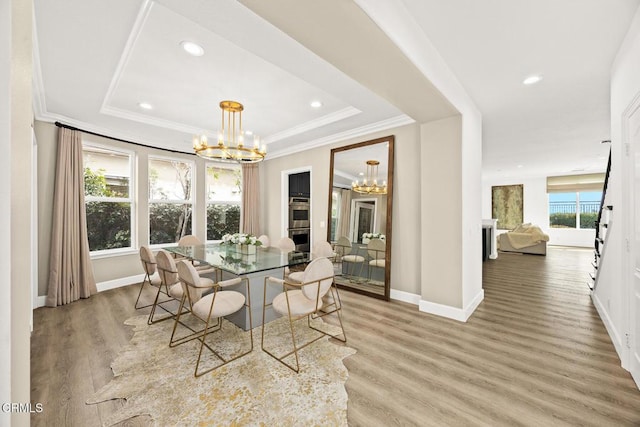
(359, 217)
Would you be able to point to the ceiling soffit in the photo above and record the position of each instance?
(341, 33)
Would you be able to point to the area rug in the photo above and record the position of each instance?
(158, 381)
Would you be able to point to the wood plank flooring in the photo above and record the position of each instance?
(534, 353)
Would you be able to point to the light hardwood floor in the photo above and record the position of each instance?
(534, 353)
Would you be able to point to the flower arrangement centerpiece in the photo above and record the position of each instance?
(366, 237)
(244, 243)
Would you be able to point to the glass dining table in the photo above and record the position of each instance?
(254, 263)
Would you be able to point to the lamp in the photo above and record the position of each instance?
(230, 146)
(370, 183)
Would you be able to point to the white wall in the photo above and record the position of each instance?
(535, 211)
(613, 291)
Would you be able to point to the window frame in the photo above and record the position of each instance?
(132, 199)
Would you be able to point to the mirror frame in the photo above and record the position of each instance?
(388, 230)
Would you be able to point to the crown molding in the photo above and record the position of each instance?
(152, 121)
(136, 30)
(85, 126)
(393, 122)
(313, 124)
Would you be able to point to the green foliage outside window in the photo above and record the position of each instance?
(222, 219)
(108, 223)
(588, 220)
(562, 220)
(168, 222)
(568, 220)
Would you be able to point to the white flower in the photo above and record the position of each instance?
(241, 239)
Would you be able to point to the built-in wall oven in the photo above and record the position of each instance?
(299, 212)
(302, 239)
(299, 223)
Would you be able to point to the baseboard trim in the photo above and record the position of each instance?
(118, 283)
(102, 286)
(405, 297)
(459, 314)
(608, 324)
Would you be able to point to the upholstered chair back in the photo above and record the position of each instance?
(167, 268)
(319, 268)
(286, 245)
(264, 239)
(323, 249)
(148, 260)
(189, 240)
(376, 248)
(190, 280)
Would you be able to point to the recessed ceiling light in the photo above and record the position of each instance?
(248, 132)
(316, 104)
(192, 48)
(145, 106)
(533, 79)
(520, 166)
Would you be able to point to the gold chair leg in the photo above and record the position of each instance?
(135, 305)
(337, 303)
(203, 344)
(156, 303)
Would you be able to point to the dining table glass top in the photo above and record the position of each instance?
(241, 260)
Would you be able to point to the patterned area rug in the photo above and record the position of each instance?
(158, 381)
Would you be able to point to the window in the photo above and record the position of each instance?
(224, 195)
(109, 198)
(170, 200)
(574, 209)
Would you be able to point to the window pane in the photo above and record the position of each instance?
(168, 222)
(224, 184)
(106, 173)
(169, 180)
(108, 225)
(562, 210)
(222, 219)
(589, 208)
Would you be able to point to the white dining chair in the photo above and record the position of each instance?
(209, 310)
(300, 300)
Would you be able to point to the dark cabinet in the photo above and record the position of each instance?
(300, 184)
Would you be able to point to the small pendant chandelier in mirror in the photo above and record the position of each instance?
(370, 183)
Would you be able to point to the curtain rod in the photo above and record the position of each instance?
(62, 125)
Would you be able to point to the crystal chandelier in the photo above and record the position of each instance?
(230, 145)
(370, 182)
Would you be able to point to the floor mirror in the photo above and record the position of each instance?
(359, 218)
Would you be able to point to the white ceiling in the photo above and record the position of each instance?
(95, 61)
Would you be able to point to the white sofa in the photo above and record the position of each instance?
(525, 239)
